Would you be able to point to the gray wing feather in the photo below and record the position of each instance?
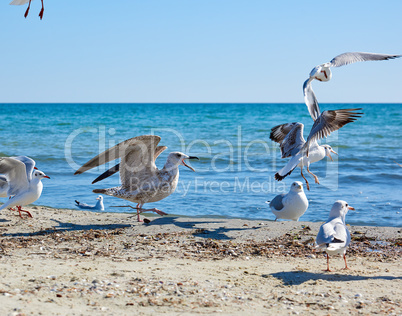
(279, 132)
(120, 150)
(311, 100)
(293, 141)
(276, 203)
(116, 168)
(349, 58)
(330, 121)
(15, 172)
(29, 165)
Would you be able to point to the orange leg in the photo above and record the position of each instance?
(19, 208)
(315, 177)
(307, 185)
(328, 270)
(346, 265)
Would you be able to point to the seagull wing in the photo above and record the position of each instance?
(349, 58)
(310, 99)
(18, 2)
(330, 121)
(325, 234)
(120, 150)
(277, 202)
(29, 165)
(279, 132)
(116, 168)
(15, 172)
(138, 163)
(293, 141)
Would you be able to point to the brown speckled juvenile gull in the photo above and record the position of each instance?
(141, 181)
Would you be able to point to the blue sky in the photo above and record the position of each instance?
(197, 50)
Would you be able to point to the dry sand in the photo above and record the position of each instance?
(70, 262)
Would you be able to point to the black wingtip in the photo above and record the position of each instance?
(107, 173)
(78, 203)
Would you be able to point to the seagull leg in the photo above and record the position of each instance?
(346, 265)
(328, 270)
(307, 185)
(315, 177)
(19, 208)
(154, 210)
(27, 11)
(139, 211)
(41, 11)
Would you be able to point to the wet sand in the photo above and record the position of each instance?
(70, 262)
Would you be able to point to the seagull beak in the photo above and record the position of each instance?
(46, 177)
(300, 186)
(35, 168)
(332, 151)
(351, 208)
(184, 164)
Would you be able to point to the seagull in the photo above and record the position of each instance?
(23, 187)
(4, 185)
(97, 207)
(291, 205)
(334, 236)
(21, 2)
(141, 181)
(302, 152)
(323, 73)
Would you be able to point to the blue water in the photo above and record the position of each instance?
(235, 173)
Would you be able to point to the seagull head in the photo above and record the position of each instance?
(177, 158)
(39, 175)
(340, 209)
(100, 197)
(328, 150)
(296, 186)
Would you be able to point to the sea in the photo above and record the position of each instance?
(234, 177)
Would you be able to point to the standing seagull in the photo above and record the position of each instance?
(141, 181)
(334, 236)
(97, 207)
(291, 205)
(303, 153)
(323, 73)
(21, 2)
(22, 189)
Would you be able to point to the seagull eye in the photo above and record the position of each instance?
(178, 155)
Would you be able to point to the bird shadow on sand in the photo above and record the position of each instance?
(300, 277)
(62, 227)
(219, 233)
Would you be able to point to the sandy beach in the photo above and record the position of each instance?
(71, 262)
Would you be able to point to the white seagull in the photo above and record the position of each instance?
(23, 187)
(21, 2)
(302, 152)
(97, 207)
(141, 181)
(333, 236)
(323, 73)
(291, 205)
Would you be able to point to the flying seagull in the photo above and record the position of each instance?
(21, 2)
(323, 73)
(141, 181)
(302, 152)
(333, 236)
(291, 205)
